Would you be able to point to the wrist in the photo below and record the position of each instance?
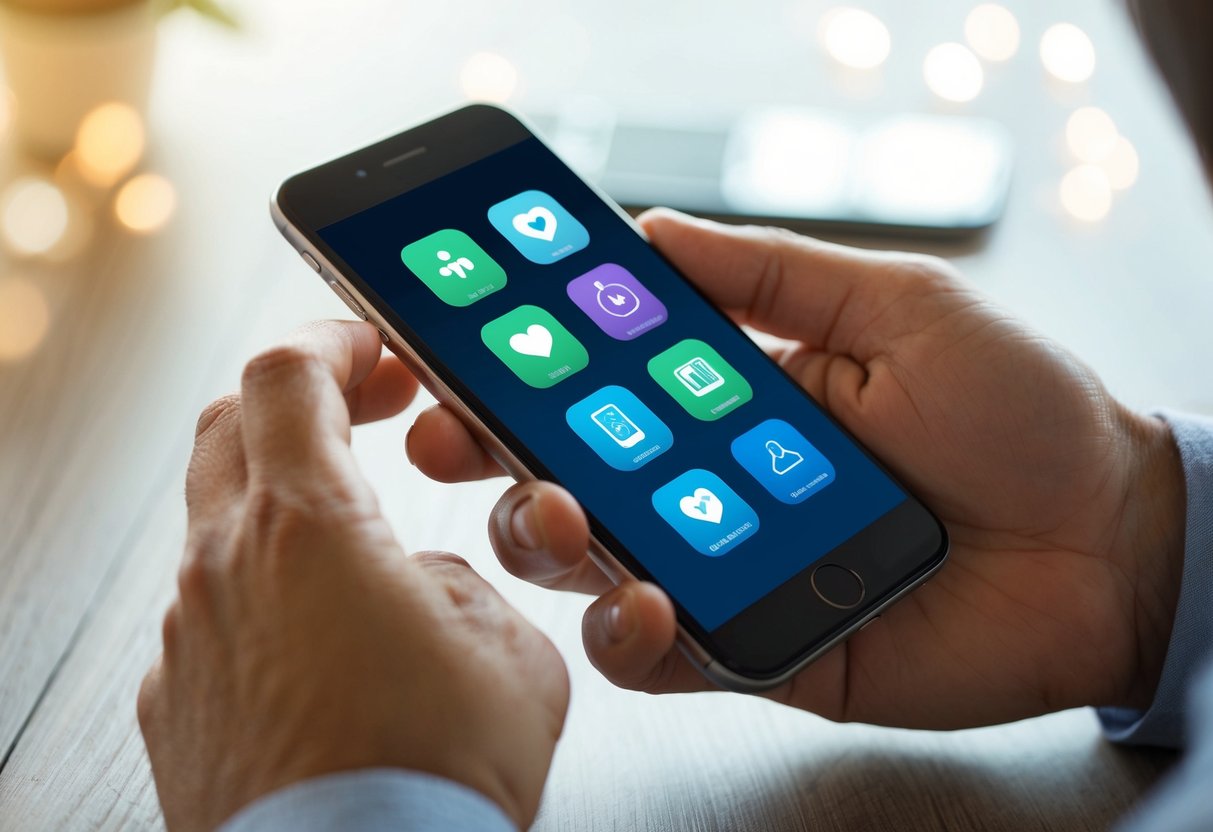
(1149, 548)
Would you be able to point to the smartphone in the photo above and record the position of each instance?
(807, 169)
(532, 306)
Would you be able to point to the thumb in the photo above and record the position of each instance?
(825, 295)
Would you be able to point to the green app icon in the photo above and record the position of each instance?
(700, 380)
(535, 346)
(457, 270)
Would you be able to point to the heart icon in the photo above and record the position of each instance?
(535, 341)
(538, 222)
(702, 505)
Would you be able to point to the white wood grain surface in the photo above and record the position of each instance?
(95, 427)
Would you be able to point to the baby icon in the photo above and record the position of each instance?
(460, 266)
(782, 459)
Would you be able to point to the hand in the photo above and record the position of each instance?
(1065, 509)
(304, 641)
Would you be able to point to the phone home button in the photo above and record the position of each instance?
(838, 586)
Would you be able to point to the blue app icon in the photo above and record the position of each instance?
(619, 428)
(782, 460)
(709, 515)
(539, 227)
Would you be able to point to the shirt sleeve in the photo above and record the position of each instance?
(1182, 804)
(372, 800)
(1164, 722)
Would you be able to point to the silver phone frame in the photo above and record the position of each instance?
(614, 570)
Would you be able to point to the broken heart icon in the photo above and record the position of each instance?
(702, 505)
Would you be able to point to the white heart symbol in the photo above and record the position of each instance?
(538, 222)
(535, 341)
(702, 505)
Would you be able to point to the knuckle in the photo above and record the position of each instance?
(147, 698)
(195, 582)
(928, 272)
(215, 412)
(285, 359)
(279, 523)
(170, 627)
(440, 559)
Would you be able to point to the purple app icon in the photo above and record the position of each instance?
(615, 300)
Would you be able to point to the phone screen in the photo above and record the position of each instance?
(700, 463)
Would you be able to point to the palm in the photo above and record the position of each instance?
(1016, 446)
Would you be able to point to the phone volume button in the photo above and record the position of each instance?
(311, 261)
(344, 294)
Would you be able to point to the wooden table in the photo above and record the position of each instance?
(95, 427)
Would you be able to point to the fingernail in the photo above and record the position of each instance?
(522, 525)
(619, 620)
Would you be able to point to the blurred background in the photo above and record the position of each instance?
(140, 141)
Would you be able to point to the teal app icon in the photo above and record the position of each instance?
(539, 227)
(620, 428)
(711, 517)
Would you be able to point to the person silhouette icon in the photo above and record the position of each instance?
(460, 267)
(782, 459)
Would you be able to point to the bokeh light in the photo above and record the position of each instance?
(992, 32)
(109, 143)
(1122, 165)
(1086, 193)
(953, 72)
(33, 215)
(1067, 53)
(6, 109)
(145, 203)
(25, 318)
(855, 38)
(487, 76)
(1091, 134)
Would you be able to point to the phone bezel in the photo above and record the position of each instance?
(752, 651)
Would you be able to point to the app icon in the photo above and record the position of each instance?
(615, 300)
(539, 227)
(535, 346)
(709, 515)
(700, 380)
(619, 428)
(782, 460)
(456, 269)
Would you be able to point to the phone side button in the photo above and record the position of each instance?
(311, 261)
(354, 305)
(838, 586)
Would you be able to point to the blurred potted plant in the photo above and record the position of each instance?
(62, 58)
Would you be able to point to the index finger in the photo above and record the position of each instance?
(294, 410)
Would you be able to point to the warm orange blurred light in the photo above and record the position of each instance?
(145, 203)
(33, 215)
(1086, 193)
(1122, 165)
(854, 37)
(953, 72)
(992, 32)
(6, 109)
(1067, 53)
(109, 143)
(1091, 134)
(25, 318)
(487, 76)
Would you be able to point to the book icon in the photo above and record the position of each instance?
(698, 376)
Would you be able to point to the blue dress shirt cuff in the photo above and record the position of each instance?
(372, 800)
(1164, 722)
